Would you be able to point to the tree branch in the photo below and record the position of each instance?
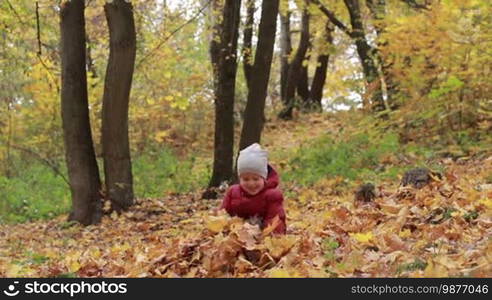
(331, 16)
(45, 160)
(38, 28)
(15, 13)
(413, 4)
(171, 34)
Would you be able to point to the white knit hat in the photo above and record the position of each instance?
(253, 159)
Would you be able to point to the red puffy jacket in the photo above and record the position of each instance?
(266, 204)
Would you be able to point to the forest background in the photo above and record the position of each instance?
(355, 91)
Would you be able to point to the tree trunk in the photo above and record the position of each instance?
(303, 82)
(295, 68)
(248, 41)
(254, 118)
(117, 86)
(316, 93)
(223, 55)
(285, 50)
(366, 55)
(378, 12)
(82, 167)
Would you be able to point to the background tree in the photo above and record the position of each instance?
(318, 83)
(81, 161)
(223, 52)
(317, 40)
(295, 67)
(248, 41)
(364, 50)
(254, 117)
(117, 86)
(285, 47)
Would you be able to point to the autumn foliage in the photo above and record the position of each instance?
(440, 230)
(433, 73)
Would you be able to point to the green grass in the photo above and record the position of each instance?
(158, 173)
(358, 157)
(361, 156)
(36, 192)
(329, 246)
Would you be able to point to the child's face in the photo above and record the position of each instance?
(252, 183)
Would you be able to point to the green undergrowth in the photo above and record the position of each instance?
(33, 193)
(36, 192)
(356, 157)
(374, 154)
(158, 173)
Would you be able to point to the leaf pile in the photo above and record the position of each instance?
(443, 229)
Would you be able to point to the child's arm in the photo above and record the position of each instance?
(275, 208)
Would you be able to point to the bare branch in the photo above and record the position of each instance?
(38, 28)
(43, 159)
(331, 16)
(15, 13)
(171, 34)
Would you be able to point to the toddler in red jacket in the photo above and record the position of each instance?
(256, 196)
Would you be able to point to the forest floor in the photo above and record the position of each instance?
(441, 230)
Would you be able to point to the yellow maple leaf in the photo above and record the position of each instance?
(327, 214)
(307, 196)
(120, 247)
(270, 228)
(486, 202)
(216, 224)
(279, 245)
(435, 270)
(160, 136)
(71, 261)
(74, 266)
(362, 237)
(282, 273)
(50, 253)
(405, 233)
(95, 252)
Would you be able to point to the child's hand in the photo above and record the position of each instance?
(214, 211)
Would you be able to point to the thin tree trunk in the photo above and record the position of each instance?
(316, 93)
(365, 52)
(117, 86)
(378, 12)
(248, 41)
(82, 167)
(224, 61)
(303, 82)
(254, 117)
(8, 161)
(295, 68)
(285, 50)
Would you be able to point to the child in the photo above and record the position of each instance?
(256, 196)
